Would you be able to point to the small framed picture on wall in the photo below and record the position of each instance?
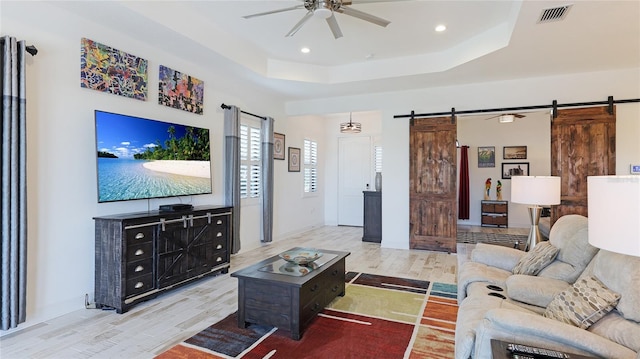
(278, 146)
(515, 169)
(294, 159)
(514, 152)
(486, 156)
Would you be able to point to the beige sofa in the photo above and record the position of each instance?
(518, 317)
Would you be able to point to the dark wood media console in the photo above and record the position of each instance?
(139, 255)
(288, 302)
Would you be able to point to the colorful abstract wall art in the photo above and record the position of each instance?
(180, 91)
(106, 69)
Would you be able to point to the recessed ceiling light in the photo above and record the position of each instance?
(440, 28)
(305, 50)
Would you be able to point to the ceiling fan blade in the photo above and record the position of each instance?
(274, 11)
(299, 24)
(333, 25)
(363, 16)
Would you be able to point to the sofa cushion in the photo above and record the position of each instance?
(617, 329)
(583, 304)
(621, 273)
(532, 290)
(539, 257)
(570, 234)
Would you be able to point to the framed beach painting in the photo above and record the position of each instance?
(514, 152)
(278, 146)
(514, 169)
(486, 156)
(294, 159)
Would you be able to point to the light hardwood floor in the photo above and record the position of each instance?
(152, 327)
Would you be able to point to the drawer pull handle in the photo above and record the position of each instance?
(219, 259)
(219, 221)
(335, 288)
(314, 288)
(139, 285)
(219, 234)
(139, 252)
(139, 269)
(316, 306)
(334, 273)
(139, 235)
(219, 246)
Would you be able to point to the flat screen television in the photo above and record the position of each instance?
(139, 158)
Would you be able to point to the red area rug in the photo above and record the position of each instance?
(379, 317)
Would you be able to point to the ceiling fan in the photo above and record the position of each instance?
(326, 9)
(506, 117)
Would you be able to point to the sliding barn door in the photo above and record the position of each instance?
(432, 192)
(583, 143)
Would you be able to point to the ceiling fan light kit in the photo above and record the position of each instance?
(506, 118)
(326, 9)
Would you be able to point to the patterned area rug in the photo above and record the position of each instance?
(507, 240)
(379, 317)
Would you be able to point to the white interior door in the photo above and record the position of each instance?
(354, 173)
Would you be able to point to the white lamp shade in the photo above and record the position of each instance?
(614, 213)
(535, 190)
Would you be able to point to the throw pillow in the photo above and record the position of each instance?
(583, 304)
(539, 257)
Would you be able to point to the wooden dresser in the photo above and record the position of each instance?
(139, 255)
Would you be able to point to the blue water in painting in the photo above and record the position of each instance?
(124, 179)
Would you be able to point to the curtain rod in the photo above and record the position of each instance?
(554, 105)
(226, 107)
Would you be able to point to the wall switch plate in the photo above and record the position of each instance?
(634, 169)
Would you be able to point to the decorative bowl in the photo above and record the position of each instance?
(293, 269)
(300, 256)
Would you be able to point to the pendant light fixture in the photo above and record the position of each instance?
(350, 127)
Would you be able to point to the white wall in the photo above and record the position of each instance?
(533, 131)
(570, 88)
(294, 210)
(61, 159)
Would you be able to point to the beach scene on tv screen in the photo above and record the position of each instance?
(142, 158)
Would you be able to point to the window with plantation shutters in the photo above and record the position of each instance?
(250, 160)
(310, 166)
(377, 157)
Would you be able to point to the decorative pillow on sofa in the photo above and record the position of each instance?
(539, 257)
(583, 304)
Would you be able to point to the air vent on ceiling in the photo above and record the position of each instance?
(554, 14)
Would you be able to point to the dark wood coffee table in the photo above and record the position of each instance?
(268, 294)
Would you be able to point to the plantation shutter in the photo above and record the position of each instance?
(255, 160)
(310, 163)
(377, 155)
(250, 158)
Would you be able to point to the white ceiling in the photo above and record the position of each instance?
(484, 41)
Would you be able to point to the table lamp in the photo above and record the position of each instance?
(536, 191)
(614, 213)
